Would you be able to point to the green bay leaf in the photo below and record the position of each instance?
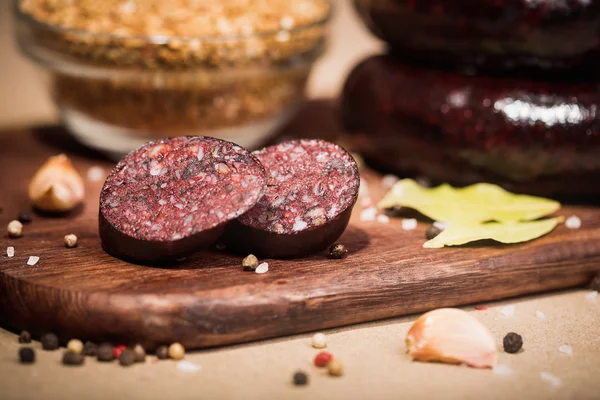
(457, 234)
(472, 204)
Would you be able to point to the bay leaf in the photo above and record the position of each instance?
(457, 234)
(476, 203)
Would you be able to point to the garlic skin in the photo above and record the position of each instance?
(56, 186)
(452, 336)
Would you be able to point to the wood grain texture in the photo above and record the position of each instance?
(209, 301)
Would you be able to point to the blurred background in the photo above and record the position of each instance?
(25, 102)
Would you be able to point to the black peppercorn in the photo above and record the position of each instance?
(338, 251)
(512, 342)
(72, 358)
(26, 355)
(24, 217)
(105, 352)
(127, 357)
(300, 378)
(25, 337)
(162, 352)
(49, 341)
(595, 283)
(90, 349)
(432, 232)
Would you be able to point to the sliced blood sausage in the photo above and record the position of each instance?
(312, 186)
(174, 196)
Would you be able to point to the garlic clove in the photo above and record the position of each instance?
(452, 336)
(56, 186)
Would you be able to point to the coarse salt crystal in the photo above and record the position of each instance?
(389, 180)
(540, 315)
(10, 251)
(502, 369)
(366, 201)
(368, 214)
(188, 366)
(409, 224)
(384, 219)
(33, 260)
(363, 189)
(566, 349)
(508, 311)
(573, 222)
(591, 295)
(95, 174)
(440, 225)
(262, 268)
(550, 378)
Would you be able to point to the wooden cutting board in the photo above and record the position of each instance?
(209, 301)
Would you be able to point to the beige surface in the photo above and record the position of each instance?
(373, 356)
(25, 102)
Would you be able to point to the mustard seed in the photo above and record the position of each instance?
(70, 241)
(162, 352)
(176, 351)
(140, 353)
(49, 341)
(75, 345)
(335, 368)
(15, 229)
(25, 337)
(26, 355)
(250, 263)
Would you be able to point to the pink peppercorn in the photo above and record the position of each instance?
(322, 359)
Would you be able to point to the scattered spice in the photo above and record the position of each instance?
(25, 337)
(512, 342)
(368, 214)
(508, 311)
(592, 295)
(95, 174)
(595, 283)
(432, 232)
(117, 350)
(56, 186)
(176, 351)
(25, 217)
(540, 315)
(366, 201)
(573, 222)
(409, 224)
(10, 252)
(319, 341)
(440, 225)
(335, 368)
(70, 241)
(322, 359)
(105, 352)
(127, 357)
(481, 308)
(75, 345)
(566, 349)
(49, 341)
(26, 355)
(187, 366)
(162, 352)
(72, 358)
(338, 251)
(140, 353)
(15, 229)
(389, 180)
(32, 260)
(300, 379)
(550, 378)
(502, 369)
(250, 262)
(90, 349)
(262, 268)
(383, 219)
